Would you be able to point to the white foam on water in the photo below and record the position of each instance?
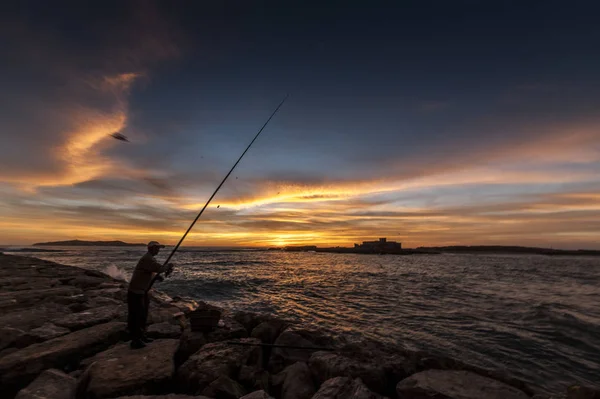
(117, 273)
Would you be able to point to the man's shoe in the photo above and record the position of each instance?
(137, 344)
(147, 339)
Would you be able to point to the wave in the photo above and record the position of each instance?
(116, 272)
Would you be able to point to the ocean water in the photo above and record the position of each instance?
(537, 317)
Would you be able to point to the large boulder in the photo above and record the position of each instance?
(257, 395)
(295, 382)
(282, 357)
(455, 384)
(190, 342)
(91, 317)
(8, 336)
(250, 320)
(214, 360)
(41, 334)
(327, 365)
(224, 388)
(21, 367)
(230, 329)
(582, 392)
(84, 281)
(348, 388)
(268, 331)
(51, 384)
(20, 299)
(123, 371)
(163, 330)
(169, 396)
(254, 378)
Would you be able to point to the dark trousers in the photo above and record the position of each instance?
(137, 314)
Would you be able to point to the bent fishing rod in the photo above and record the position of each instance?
(215, 193)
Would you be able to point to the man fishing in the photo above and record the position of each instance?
(137, 295)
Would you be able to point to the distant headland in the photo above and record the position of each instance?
(80, 243)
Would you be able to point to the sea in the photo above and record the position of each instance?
(536, 317)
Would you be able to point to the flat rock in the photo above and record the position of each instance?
(99, 301)
(214, 360)
(118, 293)
(257, 395)
(27, 319)
(295, 382)
(224, 388)
(27, 298)
(327, 365)
(455, 384)
(164, 330)
(41, 334)
(90, 317)
(21, 367)
(123, 371)
(51, 384)
(86, 282)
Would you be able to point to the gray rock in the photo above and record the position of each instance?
(27, 319)
(86, 282)
(90, 317)
(117, 293)
(257, 395)
(582, 392)
(99, 301)
(454, 384)
(295, 382)
(21, 367)
(41, 334)
(169, 396)
(123, 371)
(164, 330)
(348, 388)
(327, 365)
(27, 298)
(282, 357)
(231, 330)
(158, 314)
(250, 320)
(268, 331)
(8, 351)
(224, 388)
(8, 336)
(214, 360)
(51, 384)
(190, 342)
(254, 378)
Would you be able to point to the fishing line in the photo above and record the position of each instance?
(215, 193)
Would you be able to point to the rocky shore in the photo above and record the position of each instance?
(63, 335)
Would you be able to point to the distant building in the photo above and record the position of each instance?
(381, 245)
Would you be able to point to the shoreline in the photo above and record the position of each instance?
(64, 331)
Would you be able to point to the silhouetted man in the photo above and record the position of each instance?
(137, 295)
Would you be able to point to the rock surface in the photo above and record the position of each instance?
(257, 395)
(21, 367)
(295, 381)
(41, 334)
(582, 392)
(452, 384)
(51, 384)
(91, 317)
(224, 388)
(121, 371)
(327, 365)
(163, 330)
(348, 388)
(215, 360)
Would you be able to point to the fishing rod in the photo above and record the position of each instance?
(215, 193)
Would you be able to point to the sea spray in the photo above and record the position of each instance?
(117, 273)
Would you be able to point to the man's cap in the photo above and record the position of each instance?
(155, 244)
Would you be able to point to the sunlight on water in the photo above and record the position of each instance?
(536, 317)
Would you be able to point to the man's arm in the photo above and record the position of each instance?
(150, 264)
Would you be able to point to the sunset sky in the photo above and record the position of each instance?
(427, 122)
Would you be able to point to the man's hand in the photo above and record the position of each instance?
(170, 268)
(160, 278)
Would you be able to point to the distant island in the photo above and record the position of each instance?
(80, 243)
(509, 249)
